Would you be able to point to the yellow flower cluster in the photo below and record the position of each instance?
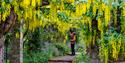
(107, 15)
(70, 1)
(62, 5)
(94, 9)
(53, 11)
(102, 6)
(88, 6)
(89, 1)
(0, 18)
(114, 50)
(119, 44)
(116, 46)
(26, 3)
(104, 53)
(77, 10)
(100, 24)
(34, 24)
(81, 8)
(63, 27)
(17, 35)
(115, 16)
(84, 9)
(6, 12)
(123, 11)
(33, 3)
(39, 2)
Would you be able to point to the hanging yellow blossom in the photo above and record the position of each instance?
(84, 8)
(53, 11)
(114, 50)
(115, 16)
(88, 6)
(17, 35)
(123, 11)
(62, 5)
(39, 2)
(89, 1)
(0, 18)
(25, 14)
(77, 10)
(81, 8)
(94, 9)
(119, 44)
(70, 1)
(30, 13)
(67, 12)
(26, 3)
(107, 15)
(33, 3)
(103, 6)
(6, 12)
(99, 24)
(41, 23)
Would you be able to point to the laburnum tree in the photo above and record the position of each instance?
(92, 17)
(5, 26)
(18, 15)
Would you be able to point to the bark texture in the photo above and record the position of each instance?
(14, 55)
(2, 49)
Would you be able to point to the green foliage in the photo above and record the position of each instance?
(82, 57)
(26, 9)
(62, 16)
(110, 46)
(43, 44)
(6, 61)
(39, 57)
(70, 7)
(45, 11)
(62, 48)
(48, 50)
(33, 41)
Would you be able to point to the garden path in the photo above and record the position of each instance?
(63, 59)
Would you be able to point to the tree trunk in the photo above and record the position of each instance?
(1, 49)
(14, 52)
(14, 55)
(21, 42)
(5, 27)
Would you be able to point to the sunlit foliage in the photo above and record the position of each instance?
(78, 14)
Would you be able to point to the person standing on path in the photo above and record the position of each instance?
(72, 41)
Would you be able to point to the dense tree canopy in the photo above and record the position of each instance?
(98, 23)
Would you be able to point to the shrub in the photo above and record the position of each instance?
(63, 49)
(39, 57)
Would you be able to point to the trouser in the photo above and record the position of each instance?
(73, 49)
